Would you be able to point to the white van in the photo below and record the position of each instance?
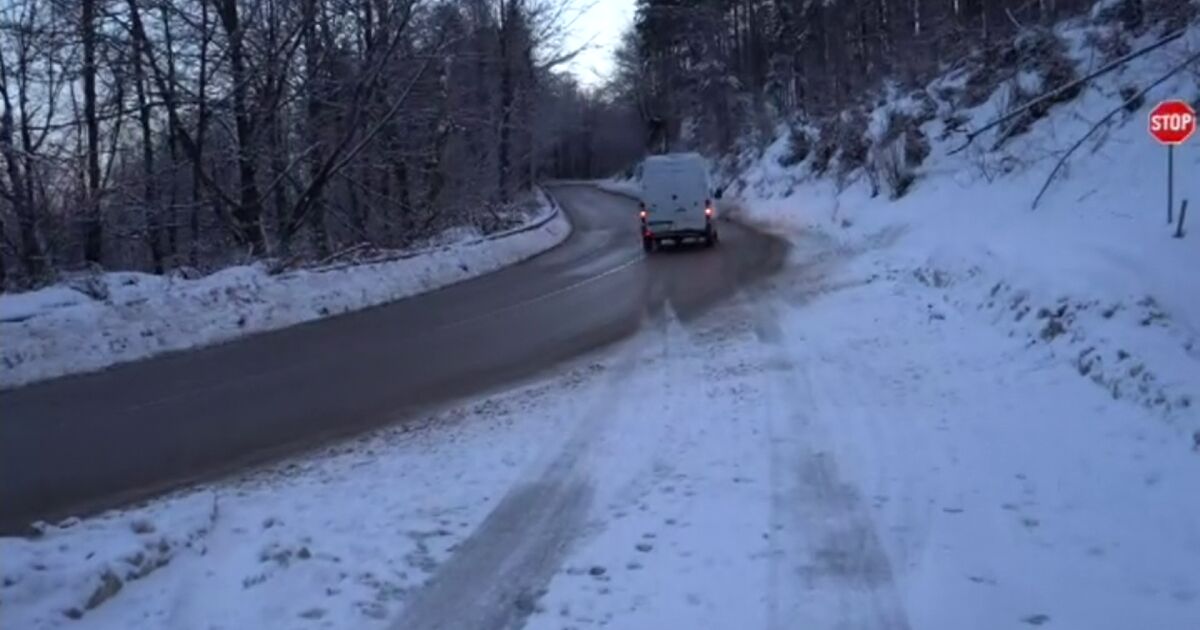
(678, 202)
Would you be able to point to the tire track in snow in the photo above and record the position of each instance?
(496, 577)
(828, 567)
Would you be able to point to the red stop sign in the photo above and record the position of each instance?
(1172, 122)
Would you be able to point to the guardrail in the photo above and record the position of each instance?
(555, 211)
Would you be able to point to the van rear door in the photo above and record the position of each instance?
(675, 192)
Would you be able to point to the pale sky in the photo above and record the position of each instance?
(603, 24)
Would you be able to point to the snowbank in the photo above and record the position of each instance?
(1092, 276)
(95, 322)
(77, 566)
(626, 187)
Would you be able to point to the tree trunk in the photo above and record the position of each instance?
(150, 209)
(405, 196)
(509, 53)
(3, 265)
(248, 213)
(533, 123)
(92, 236)
(31, 255)
(201, 124)
(172, 145)
(278, 149)
(312, 125)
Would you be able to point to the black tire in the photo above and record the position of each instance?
(647, 245)
(711, 238)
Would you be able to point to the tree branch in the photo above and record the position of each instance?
(1063, 88)
(1133, 99)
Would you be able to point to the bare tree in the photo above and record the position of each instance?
(150, 208)
(210, 132)
(93, 237)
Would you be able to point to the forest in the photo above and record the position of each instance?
(715, 73)
(182, 136)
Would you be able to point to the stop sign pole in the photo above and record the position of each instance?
(1170, 183)
(1172, 123)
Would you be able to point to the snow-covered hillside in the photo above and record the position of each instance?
(1092, 276)
(96, 321)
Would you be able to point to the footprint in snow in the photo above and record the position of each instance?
(1036, 620)
(313, 613)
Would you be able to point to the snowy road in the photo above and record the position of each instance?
(90, 441)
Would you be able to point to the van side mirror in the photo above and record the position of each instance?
(718, 192)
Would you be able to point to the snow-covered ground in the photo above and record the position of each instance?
(949, 411)
(97, 321)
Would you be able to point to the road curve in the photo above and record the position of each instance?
(81, 443)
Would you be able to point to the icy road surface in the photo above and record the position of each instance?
(94, 440)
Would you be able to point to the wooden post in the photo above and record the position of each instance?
(1182, 214)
